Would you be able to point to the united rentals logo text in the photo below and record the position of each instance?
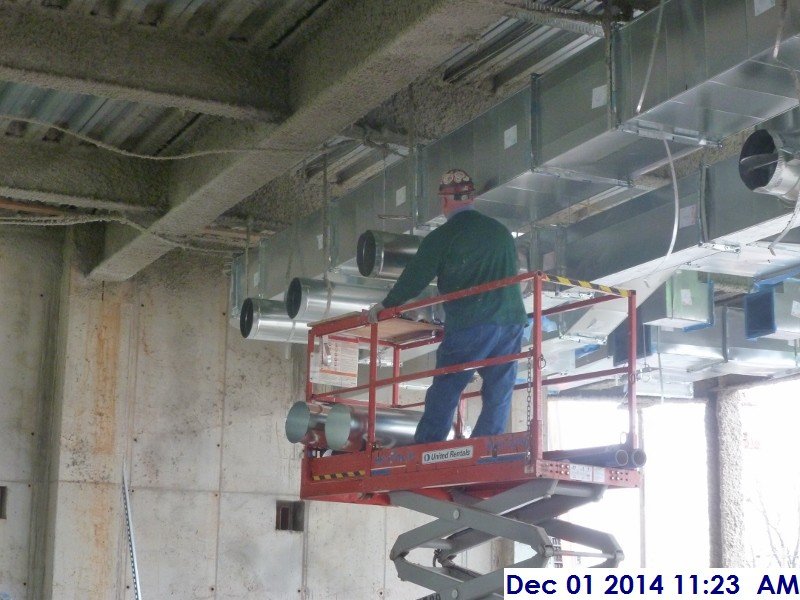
(437, 456)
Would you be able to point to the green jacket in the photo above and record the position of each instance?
(468, 250)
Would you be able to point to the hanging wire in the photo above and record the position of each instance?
(185, 156)
(384, 185)
(247, 259)
(781, 27)
(677, 205)
(326, 239)
(660, 369)
(63, 221)
(413, 157)
(790, 225)
(296, 244)
(652, 57)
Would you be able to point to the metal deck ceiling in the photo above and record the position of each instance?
(513, 49)
(507, 53)
(133, 126)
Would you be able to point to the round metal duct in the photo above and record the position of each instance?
(305, 424)
(382, 254)
(638, 457)
(346, 427)
(266, 320)
(767, 168)
(311, 300)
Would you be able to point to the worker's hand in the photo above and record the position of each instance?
(372, 315)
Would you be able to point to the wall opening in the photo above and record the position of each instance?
(3, 500)
(289, 516)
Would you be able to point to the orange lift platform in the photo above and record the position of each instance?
(477, 489)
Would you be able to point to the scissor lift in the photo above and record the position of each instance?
(503, 486)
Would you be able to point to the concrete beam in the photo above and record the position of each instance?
(334, 80)
(81, 176)
(73, 54)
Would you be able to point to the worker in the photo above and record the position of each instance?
(468, 250)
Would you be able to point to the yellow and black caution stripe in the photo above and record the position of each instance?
(342, 475)
(587, 285)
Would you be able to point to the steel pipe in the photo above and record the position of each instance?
(608, 458)
(305, 424)
(311, 300)
(601, 456)
(346, 427)
(266, 320)
(385, 255)
(638, 457)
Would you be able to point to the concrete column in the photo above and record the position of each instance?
(726, 502)
(88, 438)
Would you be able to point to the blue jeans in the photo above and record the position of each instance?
(465, 345)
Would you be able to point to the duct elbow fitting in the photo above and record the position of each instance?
(767, 167)
(385, 255)
(266, 320)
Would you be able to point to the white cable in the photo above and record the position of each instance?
(63, 221)
(652, 57)
(117, 150)
(660, 369)
(677, 212)
(786, 229)
(781, 26)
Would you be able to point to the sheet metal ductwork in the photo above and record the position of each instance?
(767, 166)
(385, 255)
(313, 300)
(305, 424)
(561, 146)
(346, 427)
(266, 320)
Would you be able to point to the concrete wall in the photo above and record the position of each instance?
(149, 375)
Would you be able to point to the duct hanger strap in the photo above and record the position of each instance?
(720, 247)
(693, 138)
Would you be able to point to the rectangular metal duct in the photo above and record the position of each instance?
(567, 141)
(721, 349)
(774, 313)
(629, 242)
(681, 357)
(685, 300)
(382, 203)
(713, 74)
(760, 357)
(494, 148)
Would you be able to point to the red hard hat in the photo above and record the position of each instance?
(457, 182)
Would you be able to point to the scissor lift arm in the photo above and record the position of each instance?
(524, 514)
